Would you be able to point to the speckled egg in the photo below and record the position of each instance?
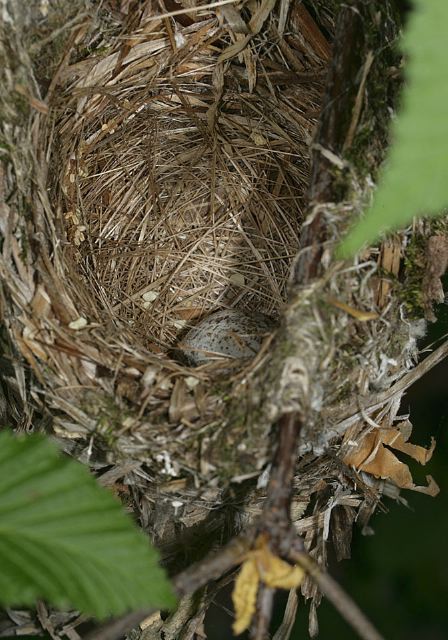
(225, 334)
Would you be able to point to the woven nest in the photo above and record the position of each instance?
(165, 177)
(176, 163)
(179, 179)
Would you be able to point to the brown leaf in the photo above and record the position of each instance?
(373, 457)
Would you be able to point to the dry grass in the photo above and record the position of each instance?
(180, 179)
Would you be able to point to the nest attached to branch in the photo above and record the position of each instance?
(175, 166)
(159, 171)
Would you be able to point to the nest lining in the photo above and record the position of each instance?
(180, 181)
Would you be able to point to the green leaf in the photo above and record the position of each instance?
(65, 539)
(414, 181)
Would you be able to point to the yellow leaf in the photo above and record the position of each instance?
(260, 564)
(244, 595)
(275, 572)
(362, 316)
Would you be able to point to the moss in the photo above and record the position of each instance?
(110, 417)
(411, 293)
(439, 226)
(372, 133)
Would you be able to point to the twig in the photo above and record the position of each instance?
(179, 12)
(196, 576)
(342, 602)
(262, 619)
(116, 628)
(351, 413)
(275, 520)
(213, 566)
(219, 563)
(276, 517)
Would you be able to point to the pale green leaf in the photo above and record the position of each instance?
(414, 181)
(65, 539)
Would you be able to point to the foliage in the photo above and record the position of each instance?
(65, 539)
(413, 180)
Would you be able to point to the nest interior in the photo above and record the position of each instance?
(179, 168)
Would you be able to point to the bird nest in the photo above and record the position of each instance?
(176, 164)
(163, 178)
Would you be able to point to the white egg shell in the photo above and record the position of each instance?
(225, 334)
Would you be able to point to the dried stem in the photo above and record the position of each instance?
(213, 566)
(262, 619)
(351, 412)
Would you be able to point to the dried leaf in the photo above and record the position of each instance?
(277, 573)
(244, 595)
(255, 25)
(398, 441)
(234, 49)
(260, 564)
(41, 303)
(261, 15)
(233, 18)
(360, 315)
(251, 66)
(373, 457)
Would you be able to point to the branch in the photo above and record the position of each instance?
(196, 576)
(262, 619)
(335, 120)
(275, 519)
(213, 566)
